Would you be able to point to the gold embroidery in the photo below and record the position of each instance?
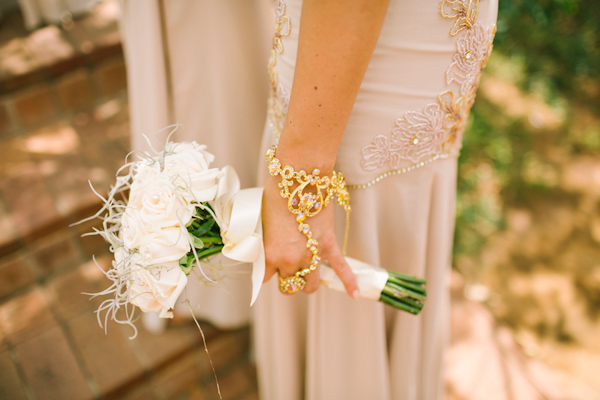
(455, 118)
(464, 12)
(278, 98)
(435, 132)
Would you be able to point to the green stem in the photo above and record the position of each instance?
(408, 278)
(402, 283)
(209, 252)
(396, 304)
(394, 290)
(209, 240)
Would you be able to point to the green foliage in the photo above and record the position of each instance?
(556, 41)
(550, 49)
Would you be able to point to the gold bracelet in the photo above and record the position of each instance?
(306, 198)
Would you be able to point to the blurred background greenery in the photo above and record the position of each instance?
(528, 215)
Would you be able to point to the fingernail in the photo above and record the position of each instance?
(355, 294)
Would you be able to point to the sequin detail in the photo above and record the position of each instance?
(464, 13)
(279, 99)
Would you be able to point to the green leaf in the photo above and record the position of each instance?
(197, 242)
(203, 228)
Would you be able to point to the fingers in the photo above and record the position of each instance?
(312, 282)
(343, 271)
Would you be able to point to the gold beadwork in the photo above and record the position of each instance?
(398, 171)
(435, 132)
(307, 195)
(278, 98)
(464, 11)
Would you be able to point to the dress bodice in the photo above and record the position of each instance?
(418, 89)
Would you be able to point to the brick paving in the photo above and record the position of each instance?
(64, 120)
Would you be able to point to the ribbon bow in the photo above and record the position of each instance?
(238, 213)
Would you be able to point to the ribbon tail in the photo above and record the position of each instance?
(370, 279)
(243, 239)
(258, 267)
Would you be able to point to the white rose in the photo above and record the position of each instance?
(202, 185)
(165, 245)
(143, 174)
(188, 166)
(156, 288)
(193, 147)
(160, 205)
(132, 229)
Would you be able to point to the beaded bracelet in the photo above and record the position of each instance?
(307, 195)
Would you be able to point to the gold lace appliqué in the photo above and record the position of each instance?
(422, 137)
(279, 99)
(464, 12)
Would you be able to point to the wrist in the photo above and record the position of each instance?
(307, 153)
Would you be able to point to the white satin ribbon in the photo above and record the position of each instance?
(371, 280)
(238, 213)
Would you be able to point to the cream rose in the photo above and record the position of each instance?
(156, 288)
(132, 229)
(144, 173)
(165, 245)
(160, 205)
(188, 165)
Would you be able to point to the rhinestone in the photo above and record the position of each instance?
(414, 140)
(312, 247)
(312, 181)
(467, 55)
(300, 217)
(295, 201)
(305, 231)
(317, 205)
(316, 172)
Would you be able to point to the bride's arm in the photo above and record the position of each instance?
(336, 40)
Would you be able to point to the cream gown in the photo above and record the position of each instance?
(201, 63)
(399, 152)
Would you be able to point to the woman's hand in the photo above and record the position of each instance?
(285, 246)
(335, 43)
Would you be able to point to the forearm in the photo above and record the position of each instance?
(336, 40)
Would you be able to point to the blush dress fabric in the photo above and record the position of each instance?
(399, 155)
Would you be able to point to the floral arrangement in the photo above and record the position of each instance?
(169, 211)
(179, 212)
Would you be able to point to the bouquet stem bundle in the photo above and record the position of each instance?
(404, 292)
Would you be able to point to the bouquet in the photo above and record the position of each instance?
(169, 212)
